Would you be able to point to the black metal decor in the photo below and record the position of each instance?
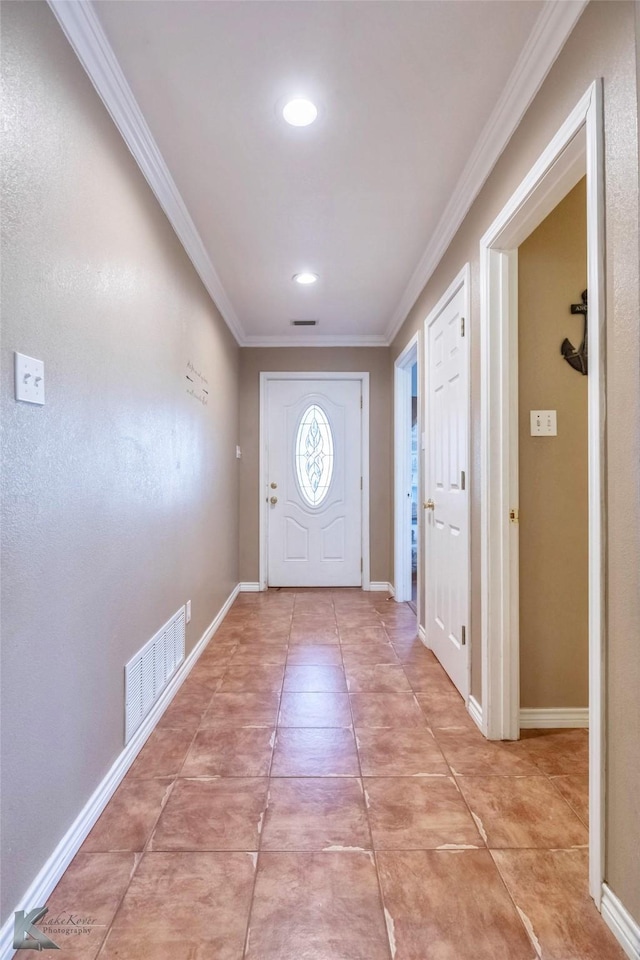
(578, 359)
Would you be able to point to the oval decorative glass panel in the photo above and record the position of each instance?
(314, 455)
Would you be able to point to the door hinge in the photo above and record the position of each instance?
(361, 565)
(361, 483)
(514, 515)
(361, 401)
(463, 480)
(463, 639)
(462, 326)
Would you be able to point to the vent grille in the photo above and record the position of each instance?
(304, 323)
(148, 672)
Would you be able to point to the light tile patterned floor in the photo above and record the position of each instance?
(317, 790)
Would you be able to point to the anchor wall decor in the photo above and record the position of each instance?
(578, 359)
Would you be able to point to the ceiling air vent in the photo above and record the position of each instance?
(304, 323)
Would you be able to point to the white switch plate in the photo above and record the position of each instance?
(544, 423)
(29, 379)
(238, 453)
(188, 611)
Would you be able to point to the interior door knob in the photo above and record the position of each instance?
(273, 500)
(429, 505)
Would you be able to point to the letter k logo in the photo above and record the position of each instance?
(24, 927)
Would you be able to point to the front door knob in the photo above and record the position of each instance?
(273, 500)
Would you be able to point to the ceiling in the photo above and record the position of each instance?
(407, 95)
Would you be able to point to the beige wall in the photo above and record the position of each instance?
(372, 360)
(602, 45)
(112, 490)
(554, 517)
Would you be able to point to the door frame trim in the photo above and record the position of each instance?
(265, 378)
(462, 281)
(578, 145)
(402, 443)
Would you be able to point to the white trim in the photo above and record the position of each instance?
(462, 281)
(580, 136)
(265, 377)
(550, 33)
(546, 719)
(625, 929)
(475, 712)
(84, 32)
(380, 586)
(401, 472)
(48, 876)
(422, 634)
(305, 339)
(250, 587)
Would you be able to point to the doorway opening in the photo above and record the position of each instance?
(413, 603)
(553, 473)
(576, 151)
(407, 561)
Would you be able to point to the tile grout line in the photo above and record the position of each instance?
(366, 808)
(247, 934)
(140, 854)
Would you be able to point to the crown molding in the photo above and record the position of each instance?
(316, 340)
(549, 35)
(84, 32)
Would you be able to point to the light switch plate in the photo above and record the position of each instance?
(544, 423)
(238, 453)
(188, 611)
(29, 374)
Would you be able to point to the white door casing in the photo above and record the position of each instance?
(447, 482)
(313, 455)
(576, 149)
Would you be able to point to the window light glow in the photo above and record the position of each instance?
(314, 455)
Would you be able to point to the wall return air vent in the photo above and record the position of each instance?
(149, 671)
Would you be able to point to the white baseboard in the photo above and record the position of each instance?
(381, 587)
(475, 711)
(561, 717)
(625, 929)
(250, 588)
(51, 871)
(422, 634)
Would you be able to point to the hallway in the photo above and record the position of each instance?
(317, 791)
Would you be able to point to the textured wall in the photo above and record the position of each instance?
(603, 44)
(120, 494)
(554, 490)
(375, 361)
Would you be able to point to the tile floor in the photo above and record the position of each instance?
(317, 791)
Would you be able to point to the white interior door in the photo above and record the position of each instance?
(446, 487)
(314, 483)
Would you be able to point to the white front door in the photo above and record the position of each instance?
(446, 489)
(313, 483)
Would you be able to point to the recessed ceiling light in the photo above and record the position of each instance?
(305, 278)
(300, 112)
